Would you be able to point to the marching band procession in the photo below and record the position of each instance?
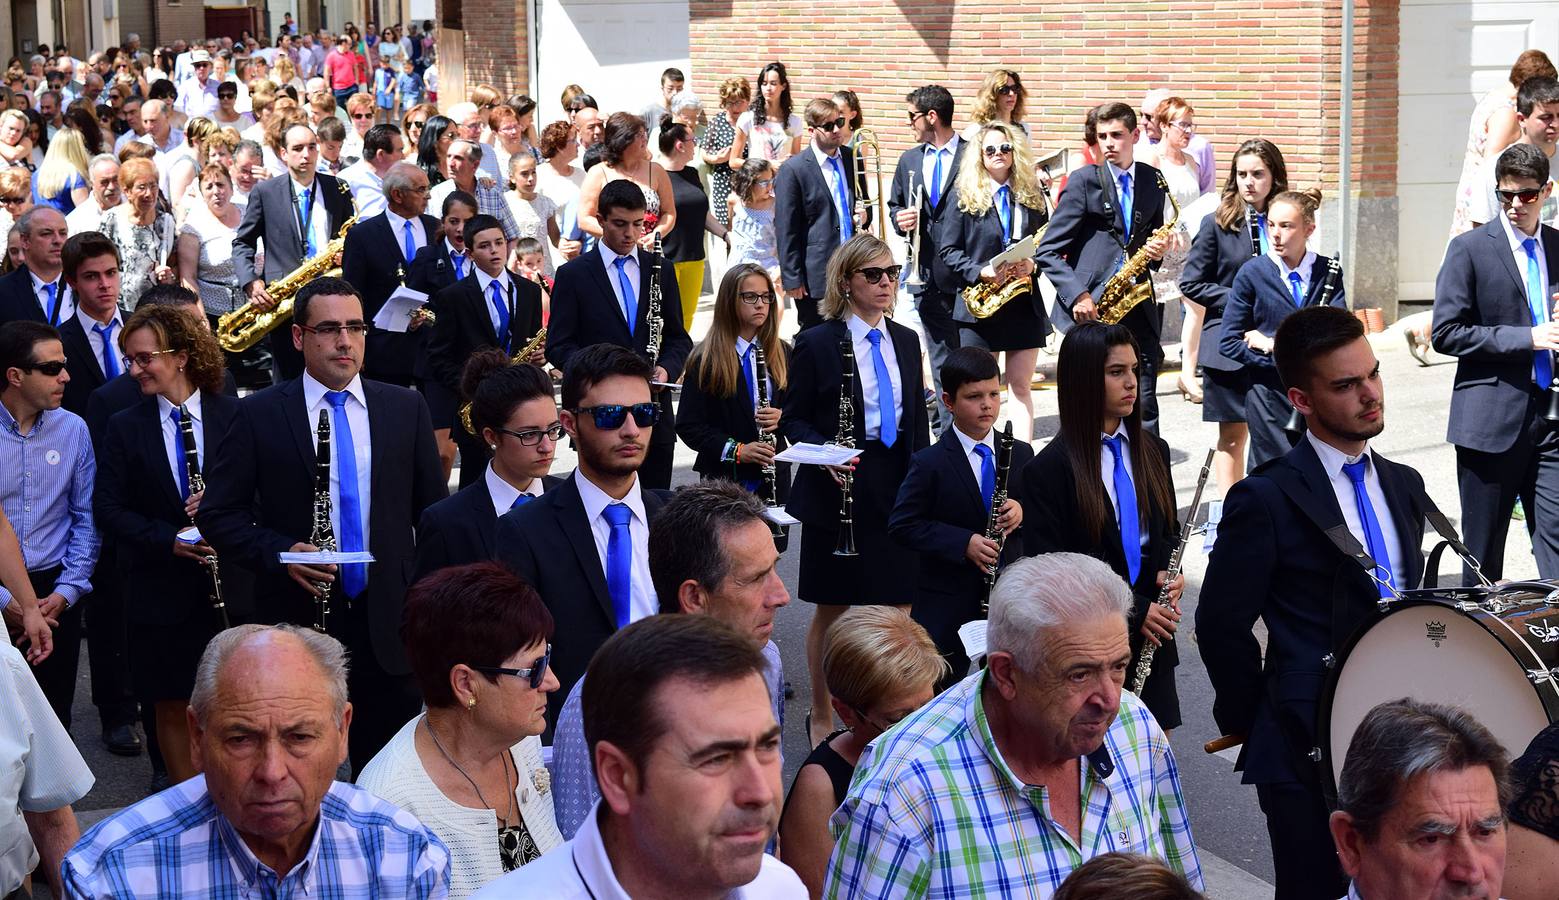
(292, 342)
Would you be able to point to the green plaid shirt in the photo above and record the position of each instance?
(934, 810)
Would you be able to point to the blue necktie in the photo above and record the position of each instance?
(842, 196)
(1004, 212)
(52, 313)
(503, 314)
(1126, 510)
(1261, 223)
(1542, 360)
(521, 500)
(888, 429)
(1295, 289)
(1126, 204)
(749, 387)
(308, 222)
(179, 464)
(630, 302)
(1372, 533)
(459, 260)
(409, 242)
(936, 180)
(619, 561)
(355, 575)
(987, 474)
(110, 358)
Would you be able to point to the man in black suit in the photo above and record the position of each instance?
(932, 166)
(814, 209)
(596, 295)
(297, 215)
(438, 265)
(35, 291)
(1276, 559)
(1494, 309)
(384, 472)
(375, 259)
(1105, 215)
(585, 545)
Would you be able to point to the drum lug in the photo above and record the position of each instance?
(1329, 661)
(1315, 754)
(1552, 599)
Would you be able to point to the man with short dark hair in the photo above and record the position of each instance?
(687, 754)
(383, 147)
(814, 209)
(1537, 118)
(35, 291)
(671, 82)
(1420, 805)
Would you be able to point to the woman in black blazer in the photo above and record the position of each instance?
(719, 417)
(145, 498)
(1071, 499)
(862, 284)
(1228, 238)
(999, 202)
(516, 419)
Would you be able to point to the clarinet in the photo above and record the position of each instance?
(652, 316)
(846, 438)
(1295, 423)
(993, 531)
(323, 536)
(197, 483)
(1255, 231)
(760, 365)
(1139, 677)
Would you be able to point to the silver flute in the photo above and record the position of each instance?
(1139, 677)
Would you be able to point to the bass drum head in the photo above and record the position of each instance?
(1430, 651)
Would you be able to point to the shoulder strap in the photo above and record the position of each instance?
(1335, 531)
(1107, 187)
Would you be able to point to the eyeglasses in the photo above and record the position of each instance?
(12, 201)
(227, 95)
(611, 416)
(1525, 195)
(835, 125)
(552, 432)
(873, 274)
(51, 369)
(764, 183)
(914, 116)
(756, 298)
(332, 329)
(1008, 89)
(144, 360)
(998, 150)
(362, 115)
(1185, 127)
(535, 674)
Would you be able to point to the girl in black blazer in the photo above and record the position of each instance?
(1228, 238)
(719, 416)
(145, 497)
(862, 283)
(1072, 501)
(999, 202)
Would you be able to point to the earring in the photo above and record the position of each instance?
(471, 703)
(847, 295)
(492, 446)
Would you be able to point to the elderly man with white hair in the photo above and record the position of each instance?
(1022, 772)
(103, 179)
(268, 728)
(468, 121)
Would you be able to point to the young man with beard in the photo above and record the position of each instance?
(1276, 560)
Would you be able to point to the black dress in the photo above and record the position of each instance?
(966, 242)
(839, 771)
(685, 243)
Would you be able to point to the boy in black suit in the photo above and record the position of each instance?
(814, 209)
(436, 266)
(943, 506)
(1105, 215)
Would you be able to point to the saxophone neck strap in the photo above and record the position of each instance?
(1107, 188)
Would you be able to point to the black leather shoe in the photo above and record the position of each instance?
(122, 741)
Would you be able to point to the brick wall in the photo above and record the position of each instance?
(496, 43)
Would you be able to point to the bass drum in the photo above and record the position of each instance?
(1494, 654)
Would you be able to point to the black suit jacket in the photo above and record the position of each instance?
(1216, 255)
(430, 272)
(260, 500)
(909, 173)
(18, 302)
(84, 366)
(706, 421)
(465, 325)
(1082, 247)
(548, 543)
(806, 221)
(1272, 562)
(137, 501)
(272, 214)
(1481, 317)
(1260, 300)
(966, 242)
(374, 261)
(459, 529)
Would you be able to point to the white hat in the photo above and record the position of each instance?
(197, 57)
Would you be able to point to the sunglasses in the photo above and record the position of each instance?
(418, 123)
(362, 115)
(535, 674)
(51, 368)
(1008, 89)
(227, 95)
(611, 416)
(873, 274)
(914, 116)
(998, 150)
(531, 438)
(1525, 195)
(11, 201)
(835, 125)
(756, 298)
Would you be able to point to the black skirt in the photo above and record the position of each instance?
(163, 657)
(882, 573)
(1223, 395)
(1016, 326)
(443, 404)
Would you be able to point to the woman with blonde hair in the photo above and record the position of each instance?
(184, 168)
(1000, 202)
(1001, 98)
(888, 424)
(880, 666)
(15, 147)
(62, 179)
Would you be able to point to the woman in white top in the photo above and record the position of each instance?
(205, 243)
(15, 148)
(470, 766)
(769, 130)
(559, 179)
(1177, 123)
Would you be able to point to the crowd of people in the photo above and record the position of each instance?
(262, 299)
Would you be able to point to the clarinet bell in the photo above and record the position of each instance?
(1552, 413)
(846, 543)
(1296, 423)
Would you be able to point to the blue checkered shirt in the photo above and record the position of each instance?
(176, 844)
(935, 811)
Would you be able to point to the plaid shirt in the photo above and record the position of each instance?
(176, 844)
(934, 810)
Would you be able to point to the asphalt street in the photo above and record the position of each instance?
(1227, 825)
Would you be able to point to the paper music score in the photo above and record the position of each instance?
(395, 314)
(779, 516)
(972, 635)
(1023, 249)
(325, 558)
(190, 535)
(817, 454)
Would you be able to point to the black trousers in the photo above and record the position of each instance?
(1303, 855)
(474, 455)
(107, 646)
(941, 332)
(381, 702)
(286, 360)
(1147, 392)
(1490, 483)
(659, 456)
(806, 312)
(1267, 410)
(57, 674)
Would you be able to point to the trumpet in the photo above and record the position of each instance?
(846, 438)
(912, 258)
(866, 139)
(197, 483)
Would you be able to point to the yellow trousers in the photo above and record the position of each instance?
(690, 283)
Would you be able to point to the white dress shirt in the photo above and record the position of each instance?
(928, 167)
(631, 268)
(367, 190)
(173, 437)
(972, 456)
(357, 417)
(419, 235)
(1520, 253)
(752, 371)
(95, 340)
(866, 374)
(319, 219)
(196, 99)
(1306, 264)
(826, 163)
(87, 216)
(504, 494)
(505, 294)
(1332, 461)
(642, 600)
(1107, 470)
(67, 300)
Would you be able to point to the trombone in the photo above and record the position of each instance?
(865, 139)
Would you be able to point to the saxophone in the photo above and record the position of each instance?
(983, 299)
(993, 531)
(197, 483)
(520, 356)
(846, 438)
(323, 536)
(1122, 293)
(1139, 677)
(242, 328)
(652, 316)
